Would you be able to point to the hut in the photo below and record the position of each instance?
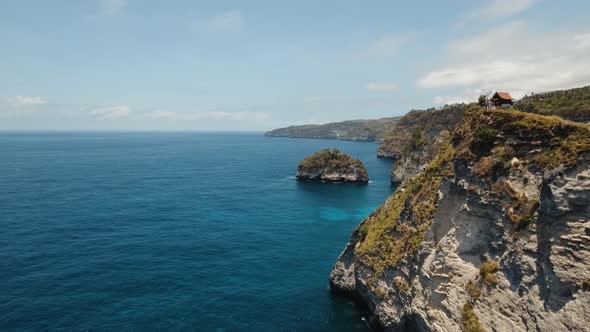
(502, 99)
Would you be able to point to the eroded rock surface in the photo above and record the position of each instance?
(419, 150)
(493, 234)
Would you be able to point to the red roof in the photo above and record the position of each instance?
(504, 95)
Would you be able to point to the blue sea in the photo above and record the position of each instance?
(110, 231)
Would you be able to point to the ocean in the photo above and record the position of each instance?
(117, 231)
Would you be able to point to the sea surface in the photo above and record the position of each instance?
(110, 231)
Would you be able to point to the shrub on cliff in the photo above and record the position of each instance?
(470, 320)
(483, 140)
(488, 270)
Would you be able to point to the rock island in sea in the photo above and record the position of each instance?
(332, 165)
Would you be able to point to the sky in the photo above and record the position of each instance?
(255, 65)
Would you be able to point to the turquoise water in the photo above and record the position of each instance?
(174, 231)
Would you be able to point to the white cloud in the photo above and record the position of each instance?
(111, 112)
(112, 7)
(583, 40)
(161, 114)
(387, 45)
(526, 61)
(231, 21)
(502, 8)
(496, 9)
(382, 86)
(27, 100)
(513, 36)
(468, 96)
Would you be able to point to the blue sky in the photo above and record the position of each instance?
(257, 65)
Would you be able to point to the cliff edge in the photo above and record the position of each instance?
(493, 234)
(430, 121)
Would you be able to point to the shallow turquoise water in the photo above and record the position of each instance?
(174, 231)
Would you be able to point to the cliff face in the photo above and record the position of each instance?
(430, 121)
(331, 165)
(493, 234)
(417, 152)
(353, 130)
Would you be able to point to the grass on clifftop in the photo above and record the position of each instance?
(547, 141)
(572, 104)
(497, 140)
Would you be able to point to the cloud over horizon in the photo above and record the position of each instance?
(111, 112)
(533, 61)
(27, 100)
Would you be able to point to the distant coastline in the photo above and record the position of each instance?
(352, 130)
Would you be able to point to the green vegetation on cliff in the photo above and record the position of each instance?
(490, 140)
(449, 244)
(397, 228)
(571, 104)
(353, 130)
(473, 290)
(488, 270)
(470, 320)
(548, 141)
(419, 127)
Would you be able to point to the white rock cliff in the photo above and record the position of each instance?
(533, 221)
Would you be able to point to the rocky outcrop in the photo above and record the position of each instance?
(492, 235)
(331, 165)
(430, 121)
(418, 152)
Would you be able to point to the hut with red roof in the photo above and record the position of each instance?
(502, 99)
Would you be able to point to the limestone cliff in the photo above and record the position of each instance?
(331, 165)
(430, 121)
(492, 235)
(417, 152)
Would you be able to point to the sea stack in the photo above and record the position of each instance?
(332, 165)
